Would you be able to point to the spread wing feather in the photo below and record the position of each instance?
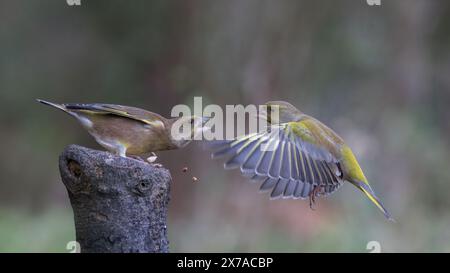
(288, 165)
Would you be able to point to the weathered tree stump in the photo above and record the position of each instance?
(119, 204)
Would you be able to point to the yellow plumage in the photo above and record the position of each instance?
(307, 158)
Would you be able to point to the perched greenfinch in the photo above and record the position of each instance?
(126, 130)
(305, 159)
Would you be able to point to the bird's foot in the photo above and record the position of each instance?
(136, 157)
(312, 202)
(312, 197)
(150, 160)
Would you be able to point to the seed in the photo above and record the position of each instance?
(152, 158)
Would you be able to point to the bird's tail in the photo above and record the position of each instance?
(367, 190)
(59, 106)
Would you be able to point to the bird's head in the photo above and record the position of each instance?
(280, 112)
(186, 128)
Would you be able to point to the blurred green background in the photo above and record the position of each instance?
(379, 76)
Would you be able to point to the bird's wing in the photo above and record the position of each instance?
(118, 110)
(288, 160)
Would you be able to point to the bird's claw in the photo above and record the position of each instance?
(312, 202)
(138, 158)
(312, 197)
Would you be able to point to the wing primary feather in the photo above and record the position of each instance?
(253, 156)
(304, 168)
(256, 178)
(290, 189)
(266, 161)
(276, 160)
(224, 151)
(333, 175)
(259, 169)
(328, 173)
(230, 148)
(279, 188)
(286, 163)
(299, 189)
(326, 176)
(268, 184)
(309, 172)
(306, 190)
(241, 153)
(296, 173)
(319, 179)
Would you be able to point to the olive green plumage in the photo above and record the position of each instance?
(126, 130)
(297, 157)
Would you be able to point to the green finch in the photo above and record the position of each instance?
(296, 157)
(126, 130)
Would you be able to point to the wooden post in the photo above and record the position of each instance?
(119, 204)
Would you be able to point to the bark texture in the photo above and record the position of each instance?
(119, 204)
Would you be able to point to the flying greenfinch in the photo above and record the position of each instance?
(297, 156)
(125, 130)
